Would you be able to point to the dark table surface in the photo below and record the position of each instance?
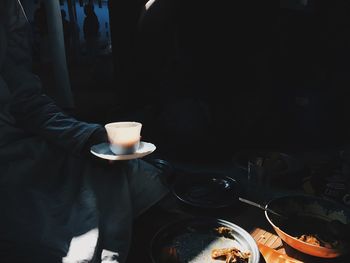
(250, 218)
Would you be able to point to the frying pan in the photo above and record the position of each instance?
(193, 239)
(207, 190)
(201, 191)
(317, 214)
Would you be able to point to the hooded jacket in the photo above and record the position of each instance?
(24, 110)
(46, 194)
(41, 172)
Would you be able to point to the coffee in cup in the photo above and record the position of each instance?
(124, 136)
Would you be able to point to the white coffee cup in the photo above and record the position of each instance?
(124, 136)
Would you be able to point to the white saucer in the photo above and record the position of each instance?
(102, 151)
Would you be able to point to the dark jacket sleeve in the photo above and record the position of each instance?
(34, 111)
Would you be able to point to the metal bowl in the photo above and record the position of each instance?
(319, 212)
(194, 238)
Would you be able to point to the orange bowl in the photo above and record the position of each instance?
(317, 209)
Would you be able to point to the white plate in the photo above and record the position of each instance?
(102, 151)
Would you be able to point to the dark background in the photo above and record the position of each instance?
(208, 77)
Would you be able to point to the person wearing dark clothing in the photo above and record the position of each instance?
(41, 27)
(91, 29)
(67, 31)
(53, 193)
(40, 19)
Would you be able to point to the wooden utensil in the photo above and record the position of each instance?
(273, 256)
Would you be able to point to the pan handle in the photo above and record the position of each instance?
(261, 207)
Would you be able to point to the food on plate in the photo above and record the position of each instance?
(224, 231)
(231, 255)
(169, 255)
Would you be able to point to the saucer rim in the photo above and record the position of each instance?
(121, 157)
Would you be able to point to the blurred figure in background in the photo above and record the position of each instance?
(67, 31)
(40, 25)
(91, 29)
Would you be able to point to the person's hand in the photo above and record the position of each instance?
(97, 137)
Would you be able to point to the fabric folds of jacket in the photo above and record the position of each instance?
(42, 175)
(24, 104)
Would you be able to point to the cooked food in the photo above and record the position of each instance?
(312, 230)
(231, 255)
(224, 231)
(170, 255)
(317, 241)
(311, 239)
(219, 253)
